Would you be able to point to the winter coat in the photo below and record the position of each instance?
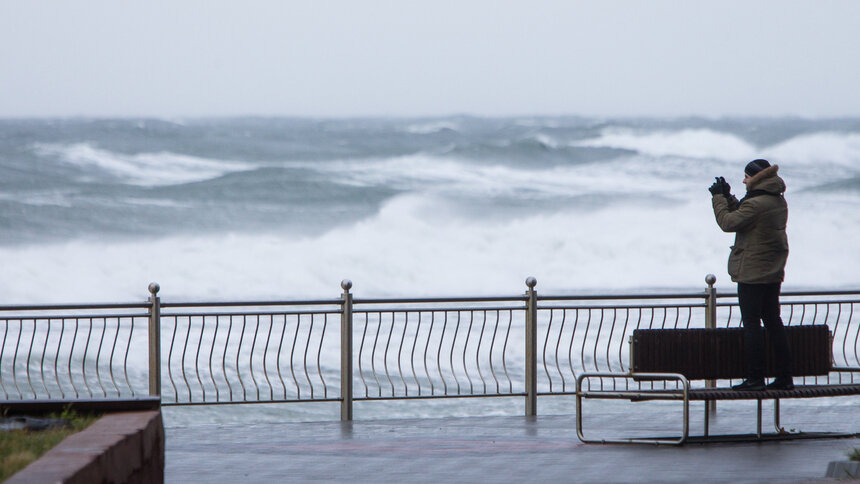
(761, 245)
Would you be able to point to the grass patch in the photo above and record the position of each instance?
(854, 455)
(18, 448)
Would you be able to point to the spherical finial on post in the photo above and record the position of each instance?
(154, 288)
(346, 284)
(531, 282)
(710, 279)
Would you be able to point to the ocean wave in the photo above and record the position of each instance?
(432, 127)
(448, 175)
(449, 214)
(419, 246)
(142, 169)
(537, 123)
(822, 149)
(155, 202)
(538, 150)
(42, 198)
(546, 141)
(687, 143)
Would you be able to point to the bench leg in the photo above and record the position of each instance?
(580, 394)
(779, 429)
(758, 419)
(686, 418)
(707, 416)
(776, 423)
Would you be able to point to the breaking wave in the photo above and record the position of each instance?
(144, 169)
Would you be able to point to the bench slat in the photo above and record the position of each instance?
(800, 391)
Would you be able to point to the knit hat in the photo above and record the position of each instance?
(756, 166)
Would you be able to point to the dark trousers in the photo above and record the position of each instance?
(760, 302)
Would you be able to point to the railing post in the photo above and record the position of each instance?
(711, 323)
(711, 302)
(531, 348)
(346, 352)
(154, 340)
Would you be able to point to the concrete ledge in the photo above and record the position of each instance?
(119, 447)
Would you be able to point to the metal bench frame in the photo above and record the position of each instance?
(686, 395)
(709, 396)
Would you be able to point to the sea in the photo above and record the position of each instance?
(233, 209)
(93, 210)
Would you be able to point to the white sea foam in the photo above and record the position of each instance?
(640, 175)
(145, 169)
(531, 122)
(429, 174)
(687, 143)
(155, 202)
(822, 150)
(39, 198)
(414, 247)
(547, 141)
(432, 127)
(819, 149)
(816, 158)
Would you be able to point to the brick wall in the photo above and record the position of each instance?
(122, 447)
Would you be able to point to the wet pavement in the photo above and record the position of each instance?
(506, 449)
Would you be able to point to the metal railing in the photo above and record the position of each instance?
(248, 352)
(346, 349)
(72, 351)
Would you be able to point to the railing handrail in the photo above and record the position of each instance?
(81, 316)
(784, 302)
(215, 304)
(611, 297)
(626, 306)
(64, 306)
(439, 299)
(846, 292)
(250, 313)
(401, 300)
(436, 309)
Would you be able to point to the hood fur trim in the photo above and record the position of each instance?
(761, 176)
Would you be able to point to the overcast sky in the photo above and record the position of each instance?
(405, 58)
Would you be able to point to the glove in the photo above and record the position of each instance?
(727, 189)
(717, 187)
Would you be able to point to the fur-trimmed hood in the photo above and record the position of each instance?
(767, 180)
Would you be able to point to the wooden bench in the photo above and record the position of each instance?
(681, 355)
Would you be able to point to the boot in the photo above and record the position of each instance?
(750, 384)
(781, 383)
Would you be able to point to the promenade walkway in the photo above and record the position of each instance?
(500, 449)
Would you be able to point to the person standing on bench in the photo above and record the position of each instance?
(757, 264)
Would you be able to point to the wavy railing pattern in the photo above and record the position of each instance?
(444, 352)
(74, 352)
(290, 351)
(594, 338)
(249, 352)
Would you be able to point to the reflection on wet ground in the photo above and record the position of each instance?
(513, 448)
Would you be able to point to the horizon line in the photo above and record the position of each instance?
(167, 117)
